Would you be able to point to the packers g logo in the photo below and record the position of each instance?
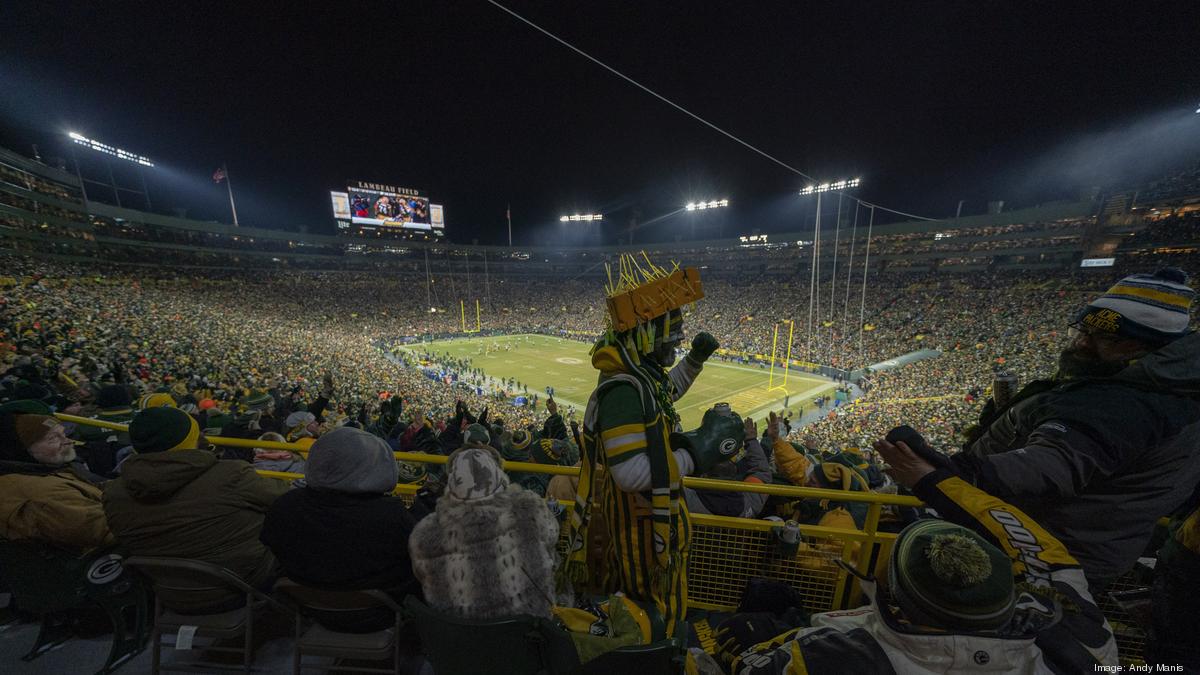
(104, 569)
(728, 446)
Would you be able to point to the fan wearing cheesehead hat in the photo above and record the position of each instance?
(627, 426)
(985, 590)
(1111, 443)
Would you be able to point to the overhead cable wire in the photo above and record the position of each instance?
(680, 108)
(648, 90)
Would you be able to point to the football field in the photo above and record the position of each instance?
(539, 361)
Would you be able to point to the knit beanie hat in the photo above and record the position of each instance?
(30, 429)
(1148, 307)
(474, 473)
(206, 404)
(351, 460)
(156, 400)
(19, 431)
(258, 400)
(476, 434)
(946, 576)
(214, 423)
(521, 439)
(163, 428)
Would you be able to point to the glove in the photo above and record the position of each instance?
(741, 632)
(917, 443)
(703, 346)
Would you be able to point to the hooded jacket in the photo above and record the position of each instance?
(489, 556)
(51, 504)
(344, 530)
(189, 504)
(1097, 461)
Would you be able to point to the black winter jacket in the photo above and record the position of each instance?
(342, 541)
(1098, 461)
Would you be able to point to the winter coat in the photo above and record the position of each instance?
(753, 468)
(487, 558)
(1056, 629)
(51, 504)
(1098, 461)
(341, 541)
(189, 504)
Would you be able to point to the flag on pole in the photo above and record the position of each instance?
(222, 175)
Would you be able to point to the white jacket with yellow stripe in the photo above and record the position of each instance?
(1056, 628)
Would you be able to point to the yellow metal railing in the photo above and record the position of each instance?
(727, 552)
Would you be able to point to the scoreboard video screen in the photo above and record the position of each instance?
(380, 205)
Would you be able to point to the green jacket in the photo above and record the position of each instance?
(189, 504)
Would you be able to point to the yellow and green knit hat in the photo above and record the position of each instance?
(946, 576)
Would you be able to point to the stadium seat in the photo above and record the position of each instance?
(54, 584)
(522, 645)
(320, 640)
(666, 656)
(181, 577)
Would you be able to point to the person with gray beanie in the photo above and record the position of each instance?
(344, 530)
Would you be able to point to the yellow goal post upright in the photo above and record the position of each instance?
(771, 386)
(462, 308)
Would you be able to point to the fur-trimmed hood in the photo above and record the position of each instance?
(488, 558)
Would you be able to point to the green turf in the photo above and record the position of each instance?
(540, 361)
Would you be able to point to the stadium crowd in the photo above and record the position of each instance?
(313, 358)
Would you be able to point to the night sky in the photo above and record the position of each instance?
(929, 102)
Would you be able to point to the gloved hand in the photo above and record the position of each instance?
(917, 443)
(703, 346)
(742, 631)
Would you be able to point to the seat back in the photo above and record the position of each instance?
(343, 611)
(522, 645)
(666, 656)
(181, 582)
(322, 600)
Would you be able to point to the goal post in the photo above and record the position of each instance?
(786, 361)
(462, 309)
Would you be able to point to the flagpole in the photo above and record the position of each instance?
(508, 214)
(229, 186)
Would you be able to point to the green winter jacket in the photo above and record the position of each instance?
(189, 504)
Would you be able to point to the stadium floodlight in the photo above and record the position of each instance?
(831, 187)
(110, 150)
(581, 217)
(702, 205)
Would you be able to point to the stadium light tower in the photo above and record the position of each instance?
(831, 187)
(702, 205)
(111, 151)
(581, 217)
